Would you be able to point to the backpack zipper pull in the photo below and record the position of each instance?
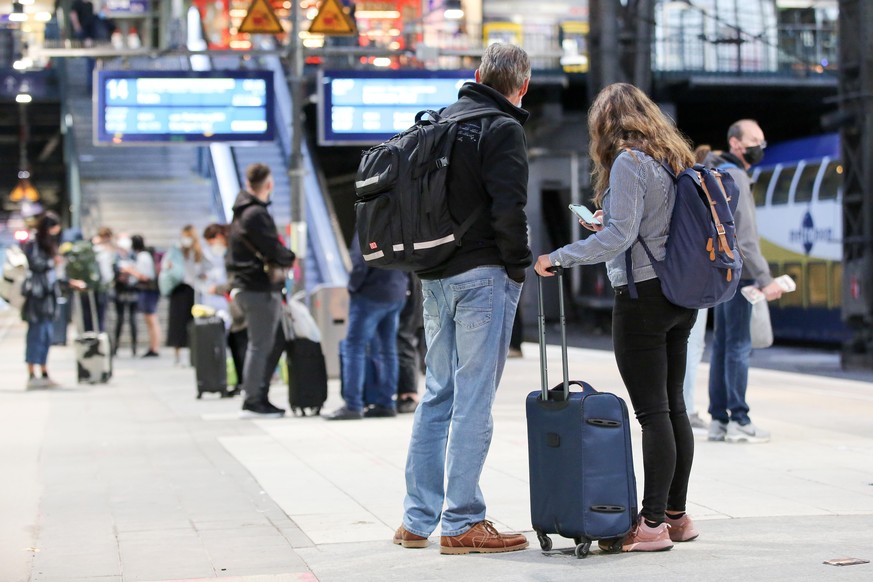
(730, 274)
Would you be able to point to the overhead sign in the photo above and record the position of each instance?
(333, 20)
(261, 19)
(133, 107)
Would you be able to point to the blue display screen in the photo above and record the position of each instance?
(369, 107)
(183, 106)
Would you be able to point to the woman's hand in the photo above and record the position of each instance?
(78, 284)
(594, 227)
(543, 265)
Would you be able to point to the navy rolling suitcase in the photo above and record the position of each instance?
(307, 376)
(582, 483)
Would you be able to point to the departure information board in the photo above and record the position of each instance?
(133, 107)
(368, 107)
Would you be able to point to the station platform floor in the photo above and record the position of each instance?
(136, 480)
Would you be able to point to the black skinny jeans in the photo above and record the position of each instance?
(650, 336)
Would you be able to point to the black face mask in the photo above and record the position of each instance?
(754, 155)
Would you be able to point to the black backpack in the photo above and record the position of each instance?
(403, 219)
(702, 265)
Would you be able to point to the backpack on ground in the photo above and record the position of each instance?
(702, 265)
(403, 220)
(13, 276)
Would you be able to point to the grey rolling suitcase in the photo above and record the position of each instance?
(93, 349)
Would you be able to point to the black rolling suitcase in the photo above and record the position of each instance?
(582, 483)
(307, 376)
(207, 342)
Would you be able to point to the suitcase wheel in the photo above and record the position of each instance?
(612, 547)
(582, 549)
(545, 541)
(199, 395)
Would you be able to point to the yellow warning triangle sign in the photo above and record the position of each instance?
(332, 19)
(261, 19)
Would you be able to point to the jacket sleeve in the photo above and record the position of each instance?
(627, 189)
(259, 229)
(359, 268)
(754, 264)
(505, 176)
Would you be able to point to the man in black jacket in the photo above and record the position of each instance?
(469, 305)
(253, 246)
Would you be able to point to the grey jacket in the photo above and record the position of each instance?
(639, 201)
(755, 266)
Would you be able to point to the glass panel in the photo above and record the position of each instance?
(803, 190)
(831, 182)
(795, 298)
(818, 284)
(759, 188)
(783, 183)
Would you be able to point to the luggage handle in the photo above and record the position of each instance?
(541, 323)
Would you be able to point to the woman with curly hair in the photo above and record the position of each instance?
(631, 141)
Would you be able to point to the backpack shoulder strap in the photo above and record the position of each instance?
(719, 227)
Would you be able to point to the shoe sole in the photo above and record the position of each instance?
(691, 539)
(639, 547)
(464, 550)
(411, 543)
(719, 439)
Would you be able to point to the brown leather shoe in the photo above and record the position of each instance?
(407, 539)
(482, 538)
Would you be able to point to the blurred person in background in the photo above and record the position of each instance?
(189, 267)
(105, 252)
(125, 291)
(143, 270)
(41, 290)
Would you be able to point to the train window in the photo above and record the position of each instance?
(783, 186)
(806, 182)
(837, 284)
(794, 299)
(817, 280)
(831, 182)
(759, 188)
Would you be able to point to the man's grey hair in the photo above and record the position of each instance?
(504, 68)
(736, 129)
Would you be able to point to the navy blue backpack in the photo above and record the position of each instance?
(702, 265)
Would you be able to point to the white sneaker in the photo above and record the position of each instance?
(35, 383)
(717, 430)
(745, 433)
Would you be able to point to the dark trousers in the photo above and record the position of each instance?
(238, 341)
(263, 312)
(650, 338)
(410, 340)
(122, 307)
(100, 298)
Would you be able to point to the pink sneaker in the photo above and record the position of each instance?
(682, 529)
(643, 538)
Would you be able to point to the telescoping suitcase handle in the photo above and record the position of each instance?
(541, 322)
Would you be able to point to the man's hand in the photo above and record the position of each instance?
(78, 284)
(772, 291)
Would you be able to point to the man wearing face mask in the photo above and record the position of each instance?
(253, 245)
(732, 342)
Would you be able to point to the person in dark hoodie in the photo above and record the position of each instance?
(254, 250)
(469, 304)
(376, 297)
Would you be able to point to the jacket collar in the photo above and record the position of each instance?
(480, 94)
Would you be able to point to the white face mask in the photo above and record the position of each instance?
(125, 244)
(218, 250)
(186, 242)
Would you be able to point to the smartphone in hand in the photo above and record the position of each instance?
(583, 213)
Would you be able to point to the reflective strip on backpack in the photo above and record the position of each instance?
(374, 256)
(367, 182)
(432, 243)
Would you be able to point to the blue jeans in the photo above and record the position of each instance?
(467, 323)
(370, 319)
(729, 366)
(696, 344)
(39, 339)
